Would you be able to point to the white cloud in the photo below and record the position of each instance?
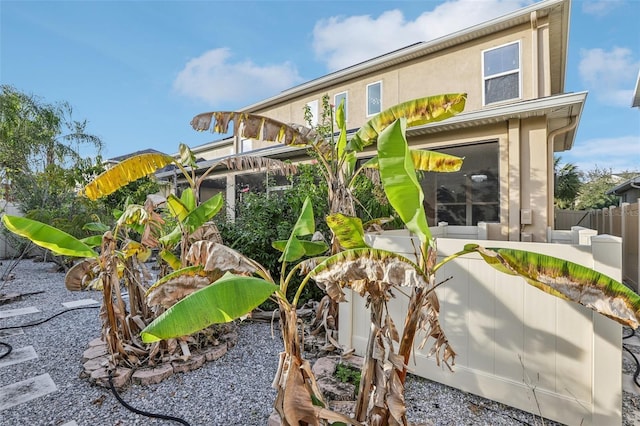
(618, 154)
(610, 75)
(214, 78)
(599, 7)
(343, 41)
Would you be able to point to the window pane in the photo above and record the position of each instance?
(469, 195)
(338, 98)
(374, 98)
(501, 88)
(313, 109)
(488, 213)
(502, 59)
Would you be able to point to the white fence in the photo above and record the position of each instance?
(516, 344)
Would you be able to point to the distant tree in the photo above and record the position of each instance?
(596, 183)
(40, 163)
(567, 184)
(35, 135)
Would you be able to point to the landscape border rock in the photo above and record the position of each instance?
(95, 365)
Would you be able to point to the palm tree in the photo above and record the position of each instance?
(567, 184)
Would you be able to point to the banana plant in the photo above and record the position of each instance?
(239, 285)
(118, 260)
(375, 273)
(337, 156)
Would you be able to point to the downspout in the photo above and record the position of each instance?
(550, 176)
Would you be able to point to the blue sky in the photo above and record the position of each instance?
(138, 71)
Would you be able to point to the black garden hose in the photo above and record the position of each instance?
(9, 348)
(637, 372)
(140, 412)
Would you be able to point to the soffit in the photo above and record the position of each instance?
(559, 111)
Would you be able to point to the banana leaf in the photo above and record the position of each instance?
(251, 126)
(366, 270)
(125, 172)
(426, 161)
(172, 260)
(228, 298)
(187, 158)
(400, 181)
(176, 207)
(189, 270)
(348, 230)
(48, 237)
(417, 112)
(305, 225)
(204, 212)
(567, 280)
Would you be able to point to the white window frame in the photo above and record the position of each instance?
(516, 71)
(246, 145)
(313, 108)
(346, 104)
(369, 114)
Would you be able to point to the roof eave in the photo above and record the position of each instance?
(509, 20)
(556, 107)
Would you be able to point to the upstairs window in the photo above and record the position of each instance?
(339, 97)
(312, 107)
(374, 98)
(501, 73)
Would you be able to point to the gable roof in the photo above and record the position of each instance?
(625, 186)
(558, 12)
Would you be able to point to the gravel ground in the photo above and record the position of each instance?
(233, 390)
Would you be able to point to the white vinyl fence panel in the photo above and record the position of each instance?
(516, 344)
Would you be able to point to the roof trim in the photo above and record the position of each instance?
(625, 186)
(509, 20)
(558, 104)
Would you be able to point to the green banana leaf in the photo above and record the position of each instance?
(567, 280)
(204, 212)
(125, 172)
(176, 207)
(172, 238)
(426, 161)
(342, 126)
(48, 237)
(417, 112)
(348, 230)
(93, 241)
(188, 198)
(400, 181)
(305, 225)
(171, 259)
(187, 158)
(228, 298)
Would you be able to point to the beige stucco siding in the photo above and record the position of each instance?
(457, 69)
(533, 175)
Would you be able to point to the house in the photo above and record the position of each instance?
(517, 116)
(628, 191)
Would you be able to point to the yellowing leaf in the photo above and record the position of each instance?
(125, 172)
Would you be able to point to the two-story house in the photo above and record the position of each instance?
(517, 116)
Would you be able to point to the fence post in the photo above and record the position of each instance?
(607, 255)
(607, 259)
